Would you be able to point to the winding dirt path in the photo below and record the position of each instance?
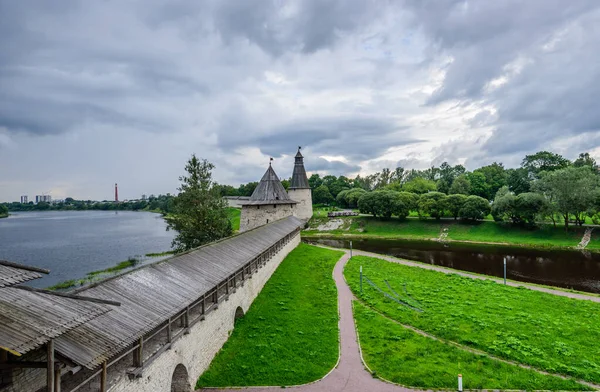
(350, 374)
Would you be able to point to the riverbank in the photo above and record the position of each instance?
(491, 233)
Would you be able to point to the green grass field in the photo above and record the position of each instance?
(290, 334)
(546, 236)
(552, 333)
(404, 357)
(234, 217)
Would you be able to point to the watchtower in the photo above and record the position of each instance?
(269, 202)
(300, 189)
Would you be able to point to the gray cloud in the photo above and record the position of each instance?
(127, 91)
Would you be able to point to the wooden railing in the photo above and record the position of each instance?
(185, 318)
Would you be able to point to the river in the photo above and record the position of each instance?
(562, 268)
(72, 243)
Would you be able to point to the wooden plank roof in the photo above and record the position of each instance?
(13, 273)
(269, 191)
(152, 294)
(299, 178)
(31, 318)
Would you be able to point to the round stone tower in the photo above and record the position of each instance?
(299, 190)
(269, 202)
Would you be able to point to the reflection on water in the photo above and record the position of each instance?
(569, 269)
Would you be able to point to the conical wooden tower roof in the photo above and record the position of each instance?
(269, 191)
(299, 178)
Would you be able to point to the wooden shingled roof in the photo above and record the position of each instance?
(269, 191)
(30, 318)
(13, 273)
(299, 178)
(154, 293)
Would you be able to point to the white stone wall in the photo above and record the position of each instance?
(303, 209)
(197, 349)
(255, 216)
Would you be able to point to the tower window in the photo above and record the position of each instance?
(274, 205)
(267, 221)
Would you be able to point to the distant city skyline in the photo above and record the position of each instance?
(360, 85)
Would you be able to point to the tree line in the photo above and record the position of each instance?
(546, 186)
(160, 203)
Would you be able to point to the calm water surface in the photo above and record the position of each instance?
(569, 269)
(72, 243)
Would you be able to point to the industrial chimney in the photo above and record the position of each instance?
(116, 193)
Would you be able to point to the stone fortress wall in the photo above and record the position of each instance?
(259, 215)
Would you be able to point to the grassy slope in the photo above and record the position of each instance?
(549, 332)
(234, 217)
(405, 357)
(547, 236)
(290, 334)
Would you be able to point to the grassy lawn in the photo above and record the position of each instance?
(552, 333)
(412, 228)
(234, 217)
(405, 357)
(290, 334)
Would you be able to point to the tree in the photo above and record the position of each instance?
(321, 195)
(411, 200)
(419, 185)
(479, 187)
(495, 178)
(200, 214)
(3, 210)
(460, 185)
(585, 159)
(543, 161)
(518, 180)
(433, 204)
(454, 203)
(352, 197)
(340, 199)
(571, 191)
(315, 181)
(475, 208)
(383, 204)
(447, 174)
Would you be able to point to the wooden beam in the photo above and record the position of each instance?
(103, 378)
(138, 353)
(72, 296)
(50, 367)
(169, 332)
(57, 380)
(24, 267)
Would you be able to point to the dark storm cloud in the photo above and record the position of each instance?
(542, 56)
(278, 27)
(354, 137)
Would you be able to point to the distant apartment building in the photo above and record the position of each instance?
(43, 198)
(24, 200)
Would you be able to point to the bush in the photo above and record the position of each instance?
(475, 208)
(454, 203)
(433, 204)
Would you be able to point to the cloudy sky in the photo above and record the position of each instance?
(98, 92)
